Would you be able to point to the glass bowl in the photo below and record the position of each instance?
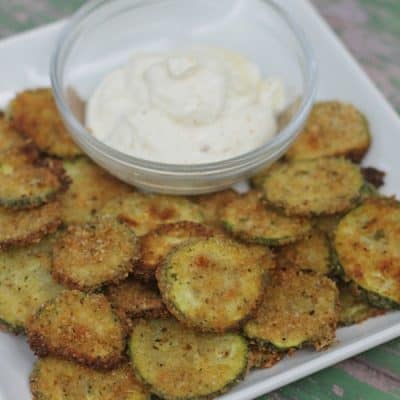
(104, 34)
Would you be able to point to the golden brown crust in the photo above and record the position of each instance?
(23, 227)
(263, 357)
(312, 253)
(179, 363)
(155, 246)
(132, 299)
(298, 308)
(27, 182)
(314, 187)
(9, 138)
(26, 283)
(87, 257)
(258, 179)
(212, 204)
(250, 220)
(145, 212)
(53, 378)
(90, 190)
(212, 284)
(367, 244)
(79, 327)
(333, 129)
(34, 114)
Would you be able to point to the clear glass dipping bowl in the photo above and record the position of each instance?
(104, 34)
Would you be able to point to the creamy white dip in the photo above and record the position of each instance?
(186, 107)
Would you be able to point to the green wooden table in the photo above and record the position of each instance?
(371, 30)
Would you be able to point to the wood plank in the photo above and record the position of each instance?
(332, 384)
(384, 359)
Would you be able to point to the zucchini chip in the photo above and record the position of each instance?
(56, 379)
(212, 204)
(132, 299)
(78, 327)
(178, 363)
(299, 308)
(155, 246)
(263, 357)
(212, 284)
(250, 220)
(91, 189)
(9, 138)
(26, 284)
(354, 309)
(26, 183)
(333, 129)
(316, 187)
(367, 245)
(87, 257)
(145, 212)
(257, 180)
(35, 115)
(23, 227)
(310, 254)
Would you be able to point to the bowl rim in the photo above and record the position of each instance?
(263, 153)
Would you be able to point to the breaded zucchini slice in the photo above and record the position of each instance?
(27, 183)
(299, 308)
(212, 284)
(34, 114)
(87, 257)
(212, 204)
(315, 187)
(258, 179)
(56, 379)
(263, 357)
(25, 284)
(367, 246)
(250, 220)
(312, 253)
(80, 327)
(8, 136)
(333, 129)
(132, 299)
(23, 227)
(157, 244)
(178, 363)
(262, 255)
(91, 189)
(145, 212)
(354, 309)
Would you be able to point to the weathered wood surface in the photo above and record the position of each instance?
(371, 30)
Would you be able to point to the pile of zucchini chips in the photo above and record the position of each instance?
(124, 295)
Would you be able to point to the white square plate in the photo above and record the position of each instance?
(25, 60)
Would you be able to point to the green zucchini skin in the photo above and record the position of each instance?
(366, 251)
(26, 283)
(26, 181)
(300, 308)
(312, 188)
(165, 348)
(213, 284)
(250, 220)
